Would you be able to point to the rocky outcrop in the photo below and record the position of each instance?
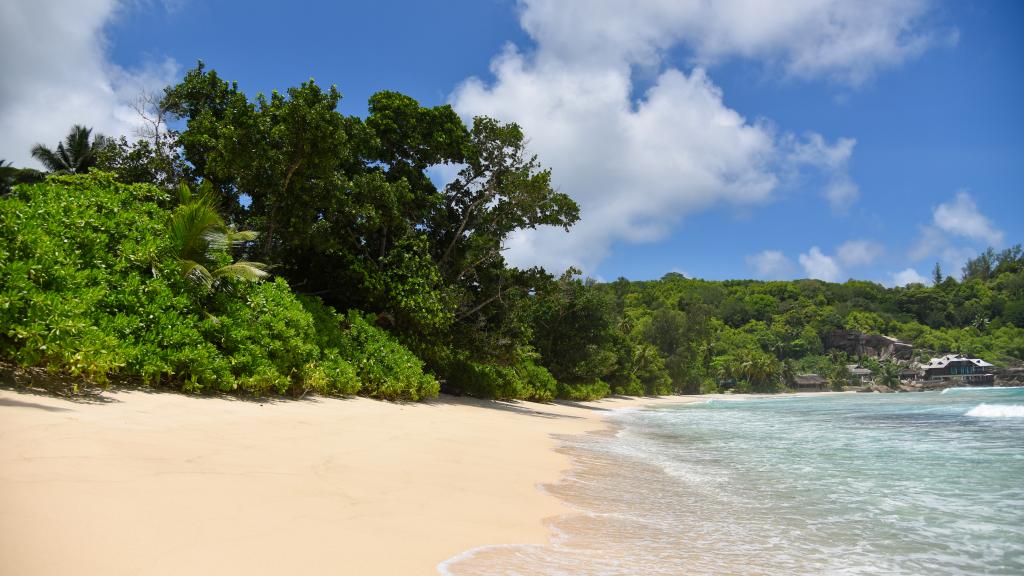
(860, 344)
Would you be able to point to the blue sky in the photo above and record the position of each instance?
(810, 140)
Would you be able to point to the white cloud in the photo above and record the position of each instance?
(639, 163)
(858, 252)
(841, 194)
(819, 266)
(771, 264)
(56, 73)
(909, 276)
(929, 242)
(832, 161)
(846, 41)
(958, 231)
(961, 217)
(635, 171)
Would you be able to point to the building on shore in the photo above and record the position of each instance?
(910, 372)
(961, 369)
(860, 373)
(810, 383)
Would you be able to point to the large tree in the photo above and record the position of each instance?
(346, 208)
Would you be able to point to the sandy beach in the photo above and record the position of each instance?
(156, 483)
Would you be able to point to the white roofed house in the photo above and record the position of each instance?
(960, 368)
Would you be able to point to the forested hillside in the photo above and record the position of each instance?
(759, 334)
(275, 245)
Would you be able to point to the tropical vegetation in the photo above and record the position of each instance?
(273, 245)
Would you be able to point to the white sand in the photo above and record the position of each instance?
(170, 484)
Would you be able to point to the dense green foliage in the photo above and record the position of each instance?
(90, 285)
(346, 211)
(379, 281)
(758, 335)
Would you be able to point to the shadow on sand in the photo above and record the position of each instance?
(516, 407)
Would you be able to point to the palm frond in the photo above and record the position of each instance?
(76, 147)
(184, 193)
(76, 154)
(200, 238)
(191, 228)
(243, 270)
(238, 237)
(216, 241)
(197, 273)
(49, 159)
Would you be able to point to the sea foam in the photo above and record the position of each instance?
(997, 411)
(979, 389)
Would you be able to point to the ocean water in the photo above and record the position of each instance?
(920, 483)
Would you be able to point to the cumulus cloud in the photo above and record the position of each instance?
(635, 171)
(957, 231)
(56, 73)
(770, 264)
(909, 276)
(818, 265)
(858, 252)
(638, 163)
(961, 217)
(845, 41)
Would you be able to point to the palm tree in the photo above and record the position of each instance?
(787, 373)
(9, 176)
(7, 172)
(75, 155)
(888, 374)
(760, 370)
(200, 239)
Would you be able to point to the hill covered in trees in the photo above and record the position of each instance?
(275, 245)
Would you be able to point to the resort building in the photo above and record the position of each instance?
(810, 383)
(860, 373)
(961, 368)
(910, 372)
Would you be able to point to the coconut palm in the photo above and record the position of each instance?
(200, 240)
(7, 171)
(888, 374)
(75, 155)
(759, 369)
(787, 373)
(9, 176)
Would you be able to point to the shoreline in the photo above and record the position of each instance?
(162, 483)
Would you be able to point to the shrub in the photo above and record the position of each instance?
(539, 385)
(77, 256)
(630, 386)
(267, 336)
(385, 368)
(523, 380)
(584, 391)
(332, 375)
(89, 285)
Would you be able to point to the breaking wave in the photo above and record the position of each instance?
(979, 389)
(997, 411)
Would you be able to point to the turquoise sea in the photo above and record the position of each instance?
(917, 483)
